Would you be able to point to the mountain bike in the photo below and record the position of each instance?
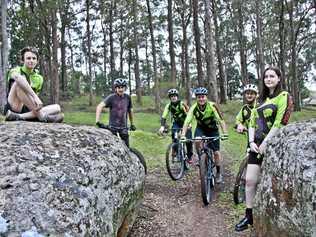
(177, 158)
(132, 149)
(239, 193)
(207, 167)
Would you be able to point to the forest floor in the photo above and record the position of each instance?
(175, 209)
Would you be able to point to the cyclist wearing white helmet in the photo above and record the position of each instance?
(207, 117)
(250, 92)
(120, 105)
(178, 111)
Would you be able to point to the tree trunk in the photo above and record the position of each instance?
(130, 58)
(197, 40)
(186, 82)
(89, 52)
(293, 66)
(121, 43)
(282, 42)
(112, 58)
(136, 65)
(3, 53)
(153, 50)
(171, 46)
(210, 61)
(105, 51)
(241, 40)
(54, 75)
(222, 75)
(260, 59)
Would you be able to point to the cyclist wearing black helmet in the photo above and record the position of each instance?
(120, 105)
(208, 117)
(178, 110)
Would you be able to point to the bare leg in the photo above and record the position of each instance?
(252, 177)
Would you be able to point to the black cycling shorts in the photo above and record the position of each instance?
(8, 107)
(199, 132)
(255, 158)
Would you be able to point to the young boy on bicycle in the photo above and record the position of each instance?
(120, 105)
(178, 110)
(250, 93)
(208, 117)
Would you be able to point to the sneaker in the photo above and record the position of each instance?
(54, 118)
(219, 178)
(11, 116)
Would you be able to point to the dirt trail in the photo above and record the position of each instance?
(175, 209)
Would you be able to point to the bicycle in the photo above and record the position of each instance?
(239, 193)
(207, 167)
(132, 149)
(177, 158)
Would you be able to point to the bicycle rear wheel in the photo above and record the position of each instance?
(239, 193)
(140, 157)
(174, 162)
(207, 178)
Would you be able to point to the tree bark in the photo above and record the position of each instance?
(222, 74)
(54, 71)
(185, 21)
(3, 53)
(282, 42)
(260, 58)
(136, 65)
(153, 50)
(112, 57)
(171, 46)
(88, 5)
(197, 40)
(293, 68)
(210, 61)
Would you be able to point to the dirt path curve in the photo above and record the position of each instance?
(175, 209)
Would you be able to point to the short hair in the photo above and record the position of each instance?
(28, 49)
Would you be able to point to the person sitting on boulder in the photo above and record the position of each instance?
(120, 105)
(24, 85)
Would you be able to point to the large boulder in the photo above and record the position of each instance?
(61, 180)
(285, 203)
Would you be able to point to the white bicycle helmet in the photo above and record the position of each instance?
(250, 87)
(173, 92)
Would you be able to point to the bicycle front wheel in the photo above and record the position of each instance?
(207, 178)
(239, 193)
(140, 157)
(174, 162)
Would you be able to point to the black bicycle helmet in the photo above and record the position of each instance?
(201, 91)
(120, 82)
(173, 92)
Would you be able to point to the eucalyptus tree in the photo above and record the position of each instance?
(154, 57)
(173, 73)
(3, 52)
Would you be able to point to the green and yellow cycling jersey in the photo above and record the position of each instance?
(243, 117)
(33, 77)
(273, 113)
(177, 110)
(208, 118)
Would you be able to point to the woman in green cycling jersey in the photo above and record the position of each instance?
(271, 113)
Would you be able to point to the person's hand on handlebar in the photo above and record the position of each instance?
(133, 127)
(224, 137)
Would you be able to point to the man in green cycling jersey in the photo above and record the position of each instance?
(208, 117)
(24, 85)
(120, 105)
(178, 111)
(243, 117)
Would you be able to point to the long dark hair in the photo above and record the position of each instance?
(265, 93)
